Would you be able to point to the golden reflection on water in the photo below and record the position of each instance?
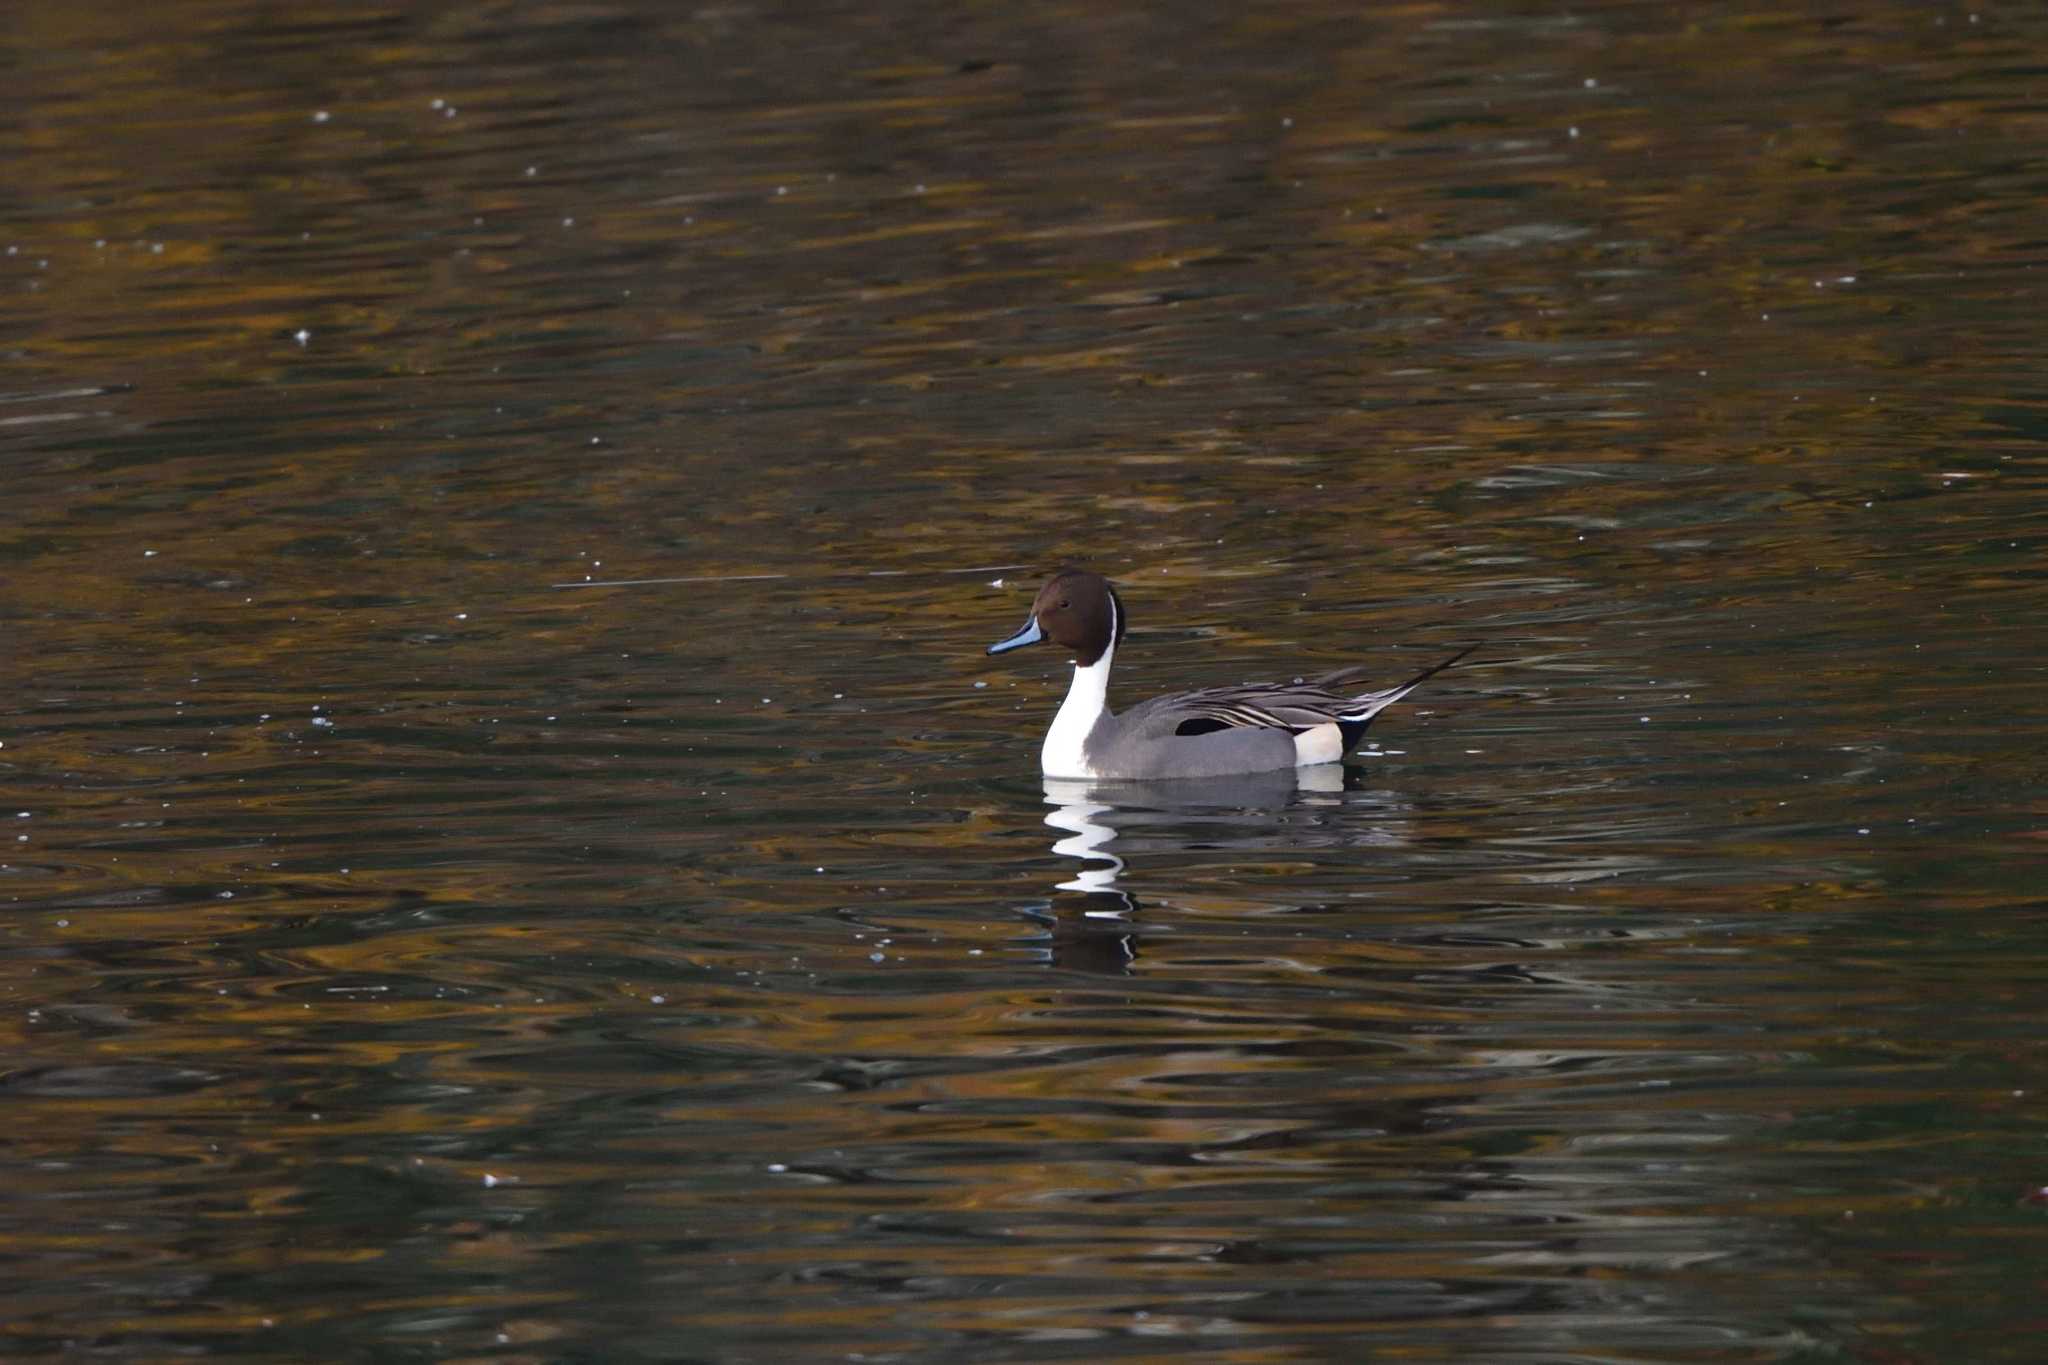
(409, 955)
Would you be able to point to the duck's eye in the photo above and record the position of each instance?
(1064, 604)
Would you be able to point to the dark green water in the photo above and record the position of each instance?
(404, 956)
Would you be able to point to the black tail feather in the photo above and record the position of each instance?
(1354, 730)
(1435, 669)
(1353, 672)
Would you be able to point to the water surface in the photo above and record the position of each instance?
(410, 956)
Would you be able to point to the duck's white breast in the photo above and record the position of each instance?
(1064, 753)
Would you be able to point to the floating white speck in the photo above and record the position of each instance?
(491, 1182)
(323, 722)
(302, 336)
(995, 582)
(777, 1167)
(321, 116)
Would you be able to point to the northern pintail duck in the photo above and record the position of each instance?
(1211, 733)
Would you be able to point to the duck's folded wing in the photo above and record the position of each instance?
(1289, 707)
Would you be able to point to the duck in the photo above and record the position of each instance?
(1213, 732)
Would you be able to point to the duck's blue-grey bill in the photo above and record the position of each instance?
(1030, 635)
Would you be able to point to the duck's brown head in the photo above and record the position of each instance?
(1078, 611)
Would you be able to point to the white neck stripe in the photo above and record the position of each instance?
(1064, 753)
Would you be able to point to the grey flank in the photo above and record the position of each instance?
(1255, 724)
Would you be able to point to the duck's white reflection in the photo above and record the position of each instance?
(1075, 806)
(1082, 807)
(1304, 809)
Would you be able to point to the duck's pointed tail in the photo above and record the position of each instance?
(1369, 704)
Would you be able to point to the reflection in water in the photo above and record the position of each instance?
(1096, 812)
(1101, 936)
(1184, 814)
(1075, 805)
